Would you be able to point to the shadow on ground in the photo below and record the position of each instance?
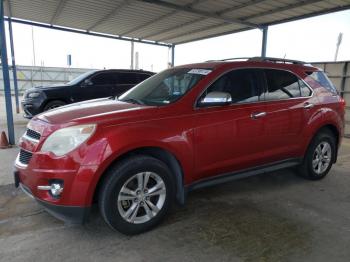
(229, 220)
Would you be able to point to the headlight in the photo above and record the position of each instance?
(33, 95)
(67, 139)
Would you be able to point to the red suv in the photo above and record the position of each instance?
(182, 129)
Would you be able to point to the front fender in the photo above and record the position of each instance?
(120, 140)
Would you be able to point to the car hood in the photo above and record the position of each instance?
(97, 110)
(50, 87)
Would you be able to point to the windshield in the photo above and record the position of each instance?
(81, 77)
(166, 87)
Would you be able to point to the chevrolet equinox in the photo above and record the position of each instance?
(182, 129)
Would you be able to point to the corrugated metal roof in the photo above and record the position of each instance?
(168, 21)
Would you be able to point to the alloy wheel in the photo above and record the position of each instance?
(322, 157)
(141, 197)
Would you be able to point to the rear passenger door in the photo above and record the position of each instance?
(287, 109)
(101, 84)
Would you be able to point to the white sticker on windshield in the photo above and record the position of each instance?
(199, 71)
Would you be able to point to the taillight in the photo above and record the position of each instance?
(342, 103)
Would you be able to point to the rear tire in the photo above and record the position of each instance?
(54, 104)
(136, 194)
(319, 157)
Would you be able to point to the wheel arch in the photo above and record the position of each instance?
(159, 153)
(334, 130)
(51, 100)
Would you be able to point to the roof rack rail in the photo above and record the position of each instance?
(276, 60)
(229, 59)
(262, 59)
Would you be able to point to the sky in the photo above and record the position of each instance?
(311, 40)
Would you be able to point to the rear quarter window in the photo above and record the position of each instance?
(322, 79)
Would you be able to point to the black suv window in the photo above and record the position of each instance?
(243, 85)
(125, 78)
(104, 79)
(143, 77)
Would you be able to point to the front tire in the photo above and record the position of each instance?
(319, 157)
(136, 195)
(54, 104)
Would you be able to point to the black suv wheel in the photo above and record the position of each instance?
(53, 104)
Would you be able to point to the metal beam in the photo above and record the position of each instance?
(264, 41)
(58, 11)
(199, 12)
(132, 55)
(6, 76)
(136, 28)
(172, 55)
(14, 68)
(114, 12)
(71, 30)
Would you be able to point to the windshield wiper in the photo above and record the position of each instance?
(133, 101)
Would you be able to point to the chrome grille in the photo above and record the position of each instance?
(24, 157)
(33, 134)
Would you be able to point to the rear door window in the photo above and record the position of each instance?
(128, 78)
(106, 78)
(304, 89)
(281, 85)
(142, 77)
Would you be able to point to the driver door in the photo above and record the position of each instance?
(230, 137)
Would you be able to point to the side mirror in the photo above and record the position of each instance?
(216, 99)
(87, 82)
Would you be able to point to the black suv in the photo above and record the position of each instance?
(90, 85)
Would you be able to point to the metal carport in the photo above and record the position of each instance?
(156, 22)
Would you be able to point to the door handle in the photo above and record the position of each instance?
(257, 115)
(308, 105)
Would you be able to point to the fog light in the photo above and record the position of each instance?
(56, 189)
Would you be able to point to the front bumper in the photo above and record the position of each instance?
(32, 107)
(78, 172)
(69, 214)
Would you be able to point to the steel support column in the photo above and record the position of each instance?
(132, 55)
(14, 69)
(172, 55)
(264, 41)
(6, 76)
